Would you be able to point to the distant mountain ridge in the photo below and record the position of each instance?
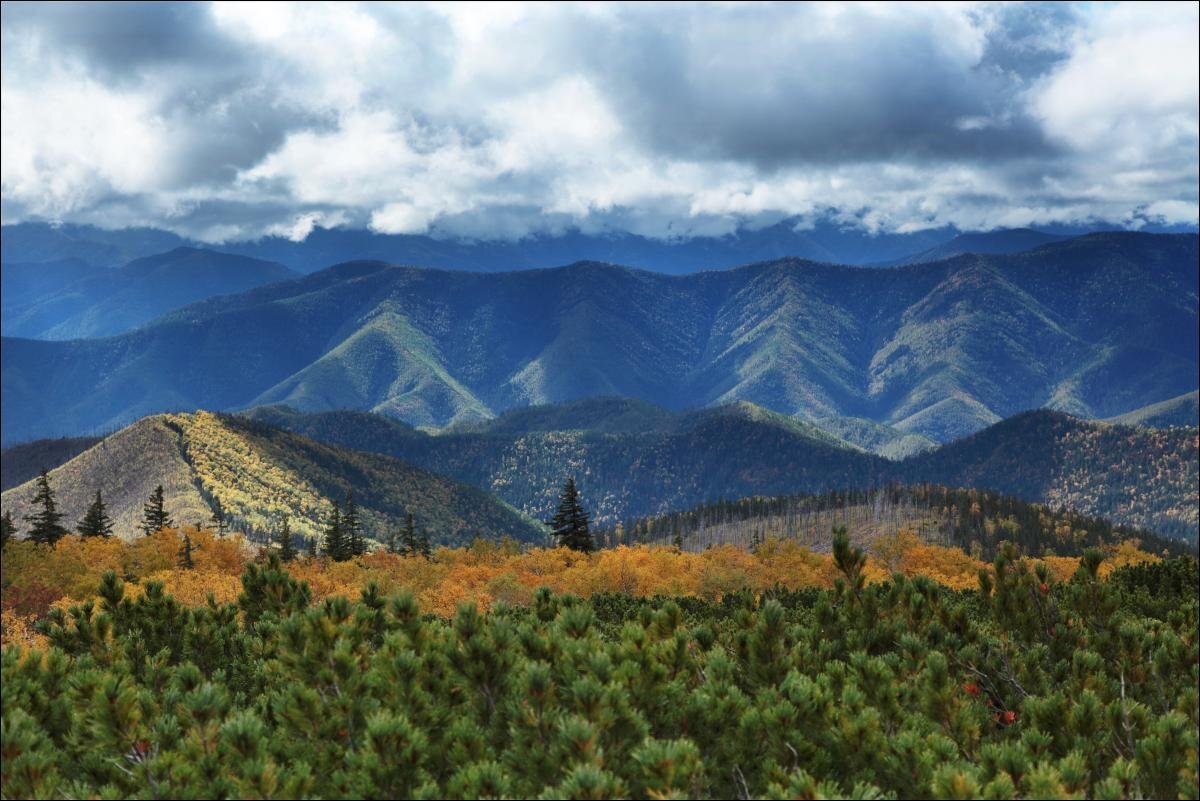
(1095, 326)
(259, 474)
(669, 462)
(1011, 240)
(105, 301)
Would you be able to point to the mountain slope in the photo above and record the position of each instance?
(1134, 477)
(1141, 477)
(108, 301)
(25, 461)
(653, 466)
(1010, 240)
(1095, 326)
(259, 473)
(1182, 411)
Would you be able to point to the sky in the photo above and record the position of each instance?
(230, 121)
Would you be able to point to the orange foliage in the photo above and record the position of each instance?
(484, 573)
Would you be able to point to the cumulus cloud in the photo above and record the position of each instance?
(236, 120)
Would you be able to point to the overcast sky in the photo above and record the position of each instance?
(225, 121)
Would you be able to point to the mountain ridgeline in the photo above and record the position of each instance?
(259, 475)
(632, 460)
(70, 300)
(1096, 326)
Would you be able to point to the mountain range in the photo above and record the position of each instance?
(1097, 326)
(260, 475)
(630, 460)
(70, 299)
(822, 240)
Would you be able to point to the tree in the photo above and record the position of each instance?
(311, 543)
(7, 529)
(408, 539)
(356, 543)
(154, 515)
(220, 520)
(185, 554)
(287, 548)
(335, 539)
(47, 521)
(95, 522)
(570, 524)
(424, 547)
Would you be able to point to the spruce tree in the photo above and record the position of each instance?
(154, 515)
(424, 546)
(7, 529)
(570, 524)
(335, 539)
(408, 541)
(95, 522)
(219, 520)
(356, 542)
(311, 543)
(46, 523)
(287, 549)
(185, 554)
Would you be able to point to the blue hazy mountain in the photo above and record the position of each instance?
(93, 301)
(1095, 326)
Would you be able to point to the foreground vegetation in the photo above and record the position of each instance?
(1026, 687)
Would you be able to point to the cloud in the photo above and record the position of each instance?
(236, 120)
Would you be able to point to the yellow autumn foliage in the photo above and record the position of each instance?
(484, 573)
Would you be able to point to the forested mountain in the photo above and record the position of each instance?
(1096, 326)
(23, 462)
(1142, 477)
(101, 301)
(258, 475)
(977, 521)
(1132, 476)
(645, 468)
(1182, 411)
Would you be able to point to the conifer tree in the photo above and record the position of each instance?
(424, 547)
(47, 521)
(570, 524)
(311, 543)
(95, 522)
(154, 515)
(219, 519)
(352, 531)
(185, 554)
(7, 529)
(408, 540)
(287, 549)
(335, 539)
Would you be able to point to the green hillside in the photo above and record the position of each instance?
(1095, 326)
(259, 474)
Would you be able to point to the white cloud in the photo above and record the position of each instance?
(487, 120)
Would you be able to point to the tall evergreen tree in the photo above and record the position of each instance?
(185, 554)
(311, 543)
(287, 548)
(7, 529)
(424, 546)
(219, 519)
(46, 523)
(95, 522)
(570, 524)
(154, 513)
(335, 539)
(356, 541)
(408, 540)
